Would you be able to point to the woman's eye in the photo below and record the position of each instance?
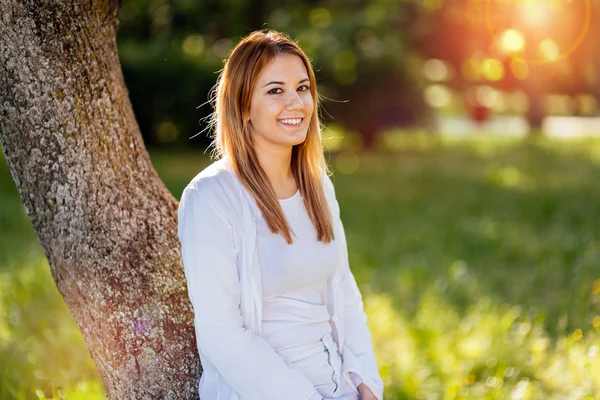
(303, 88)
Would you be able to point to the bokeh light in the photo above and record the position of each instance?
(512, 41)
(436, 70)
(492, 69)
(438, 96)
(320, 17)
(167, 131)
(549, 50)
(519, 68)
(193, 45)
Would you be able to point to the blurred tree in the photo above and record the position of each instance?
(368, 64)
(103, 217)
(362, 51)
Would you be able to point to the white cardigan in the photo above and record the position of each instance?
(217, 231)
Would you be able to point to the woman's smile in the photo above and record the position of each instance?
(291, 122)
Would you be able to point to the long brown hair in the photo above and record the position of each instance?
(231, 101)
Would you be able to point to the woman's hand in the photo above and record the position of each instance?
(366, 393)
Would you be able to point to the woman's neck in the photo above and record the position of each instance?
(277, 166)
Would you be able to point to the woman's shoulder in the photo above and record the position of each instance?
(327, 183)
(216, 185)
(214, 177)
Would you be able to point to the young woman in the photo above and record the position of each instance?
(278, 314)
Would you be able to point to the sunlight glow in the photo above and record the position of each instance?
(537, 16)
(549, 50)
(536, 13)
(512, 41)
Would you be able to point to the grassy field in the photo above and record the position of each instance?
(479, 264)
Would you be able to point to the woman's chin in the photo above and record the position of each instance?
(296, 138)
(300, 140)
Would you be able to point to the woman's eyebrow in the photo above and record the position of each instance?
(283, 83)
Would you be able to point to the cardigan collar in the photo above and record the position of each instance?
(256, 213)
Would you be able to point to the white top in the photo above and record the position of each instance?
(217, 228)
(294, 278)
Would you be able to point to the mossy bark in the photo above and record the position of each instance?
(105, 220)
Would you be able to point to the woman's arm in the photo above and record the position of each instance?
(246, 361)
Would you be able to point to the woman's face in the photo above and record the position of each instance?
(281, 105)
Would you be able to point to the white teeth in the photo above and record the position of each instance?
(291, 121)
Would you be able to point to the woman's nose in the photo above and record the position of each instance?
(294, 102)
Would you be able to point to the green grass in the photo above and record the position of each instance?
(479, 264)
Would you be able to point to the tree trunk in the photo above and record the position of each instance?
(533, 87)
(105, 220)
(535, 113)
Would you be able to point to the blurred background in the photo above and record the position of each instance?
(463, 135)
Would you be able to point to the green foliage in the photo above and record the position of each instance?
(42, 352)
(171, 52)
(479, 264)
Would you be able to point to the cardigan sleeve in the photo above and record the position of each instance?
(246, 361)
(358, 354)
